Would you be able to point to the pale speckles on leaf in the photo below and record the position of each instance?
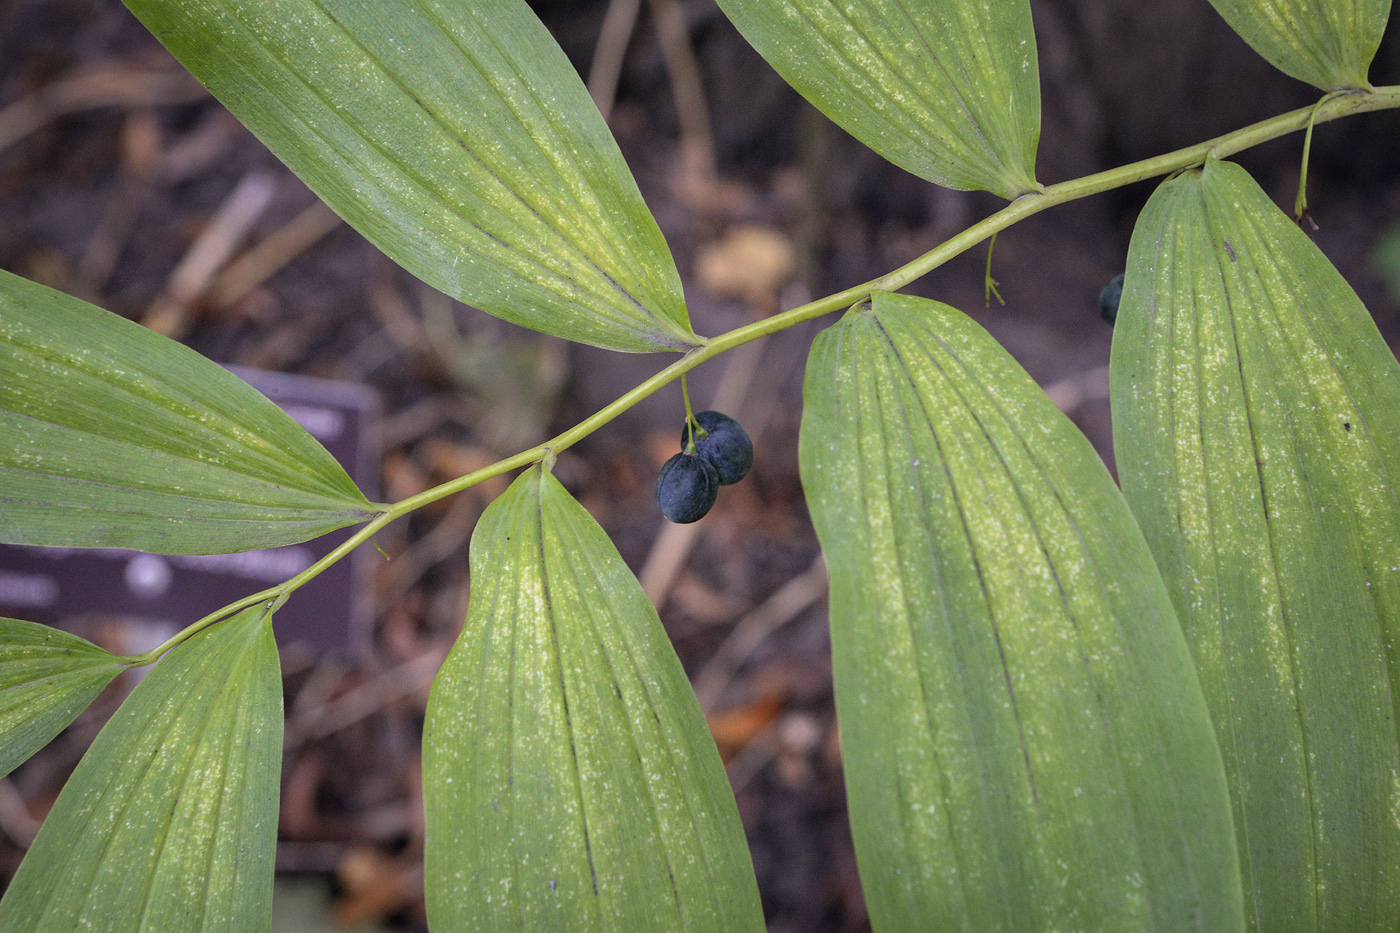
(991, 608)
(112, 435)
(472, 154)
(948, 91)
(1271, 526)
(618, 840)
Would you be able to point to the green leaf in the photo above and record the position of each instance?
(457, 138)
(114, 436)
(945, 89)
(1257, 422)
(569, 779)
(170, 820)
(1025, 743)
(47, 678)
(1327, 44)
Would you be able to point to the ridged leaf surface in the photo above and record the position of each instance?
(114, 436)
(1025, 743)
(1257, 428)
(170, 820)
(1328, 44)
(47, 677)
(570, 781)
(946, 89)
(457, 137)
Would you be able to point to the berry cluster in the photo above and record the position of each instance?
(715, 452)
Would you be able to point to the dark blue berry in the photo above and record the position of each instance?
(723, 443)
(1109, 298)
(686, 488)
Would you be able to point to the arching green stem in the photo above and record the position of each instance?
(1331, 107)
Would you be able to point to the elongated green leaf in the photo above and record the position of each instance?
(1025, 743)
(47, 678)
(569, 779)
(1257, 426)
(1328, 44)
(946, 89)
(114, 436)
(170, 820)
(458, 138)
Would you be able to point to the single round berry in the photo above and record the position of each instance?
(686, 488)
(1109, 298)
(723, 443)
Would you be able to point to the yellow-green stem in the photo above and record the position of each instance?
(989, 283)
(1331, 107)
(277, 594)
(1300, 204)
(689, 417)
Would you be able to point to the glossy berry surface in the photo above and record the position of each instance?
(686, 488)
(725, 445)
(1109, 298)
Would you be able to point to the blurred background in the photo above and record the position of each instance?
(123, 183)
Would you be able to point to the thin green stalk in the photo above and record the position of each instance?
(276, 594)
(990, 284)
(154, 655)
(1331, 107)
(689, 417)
(1300, 204)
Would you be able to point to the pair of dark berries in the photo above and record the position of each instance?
(715, 452)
